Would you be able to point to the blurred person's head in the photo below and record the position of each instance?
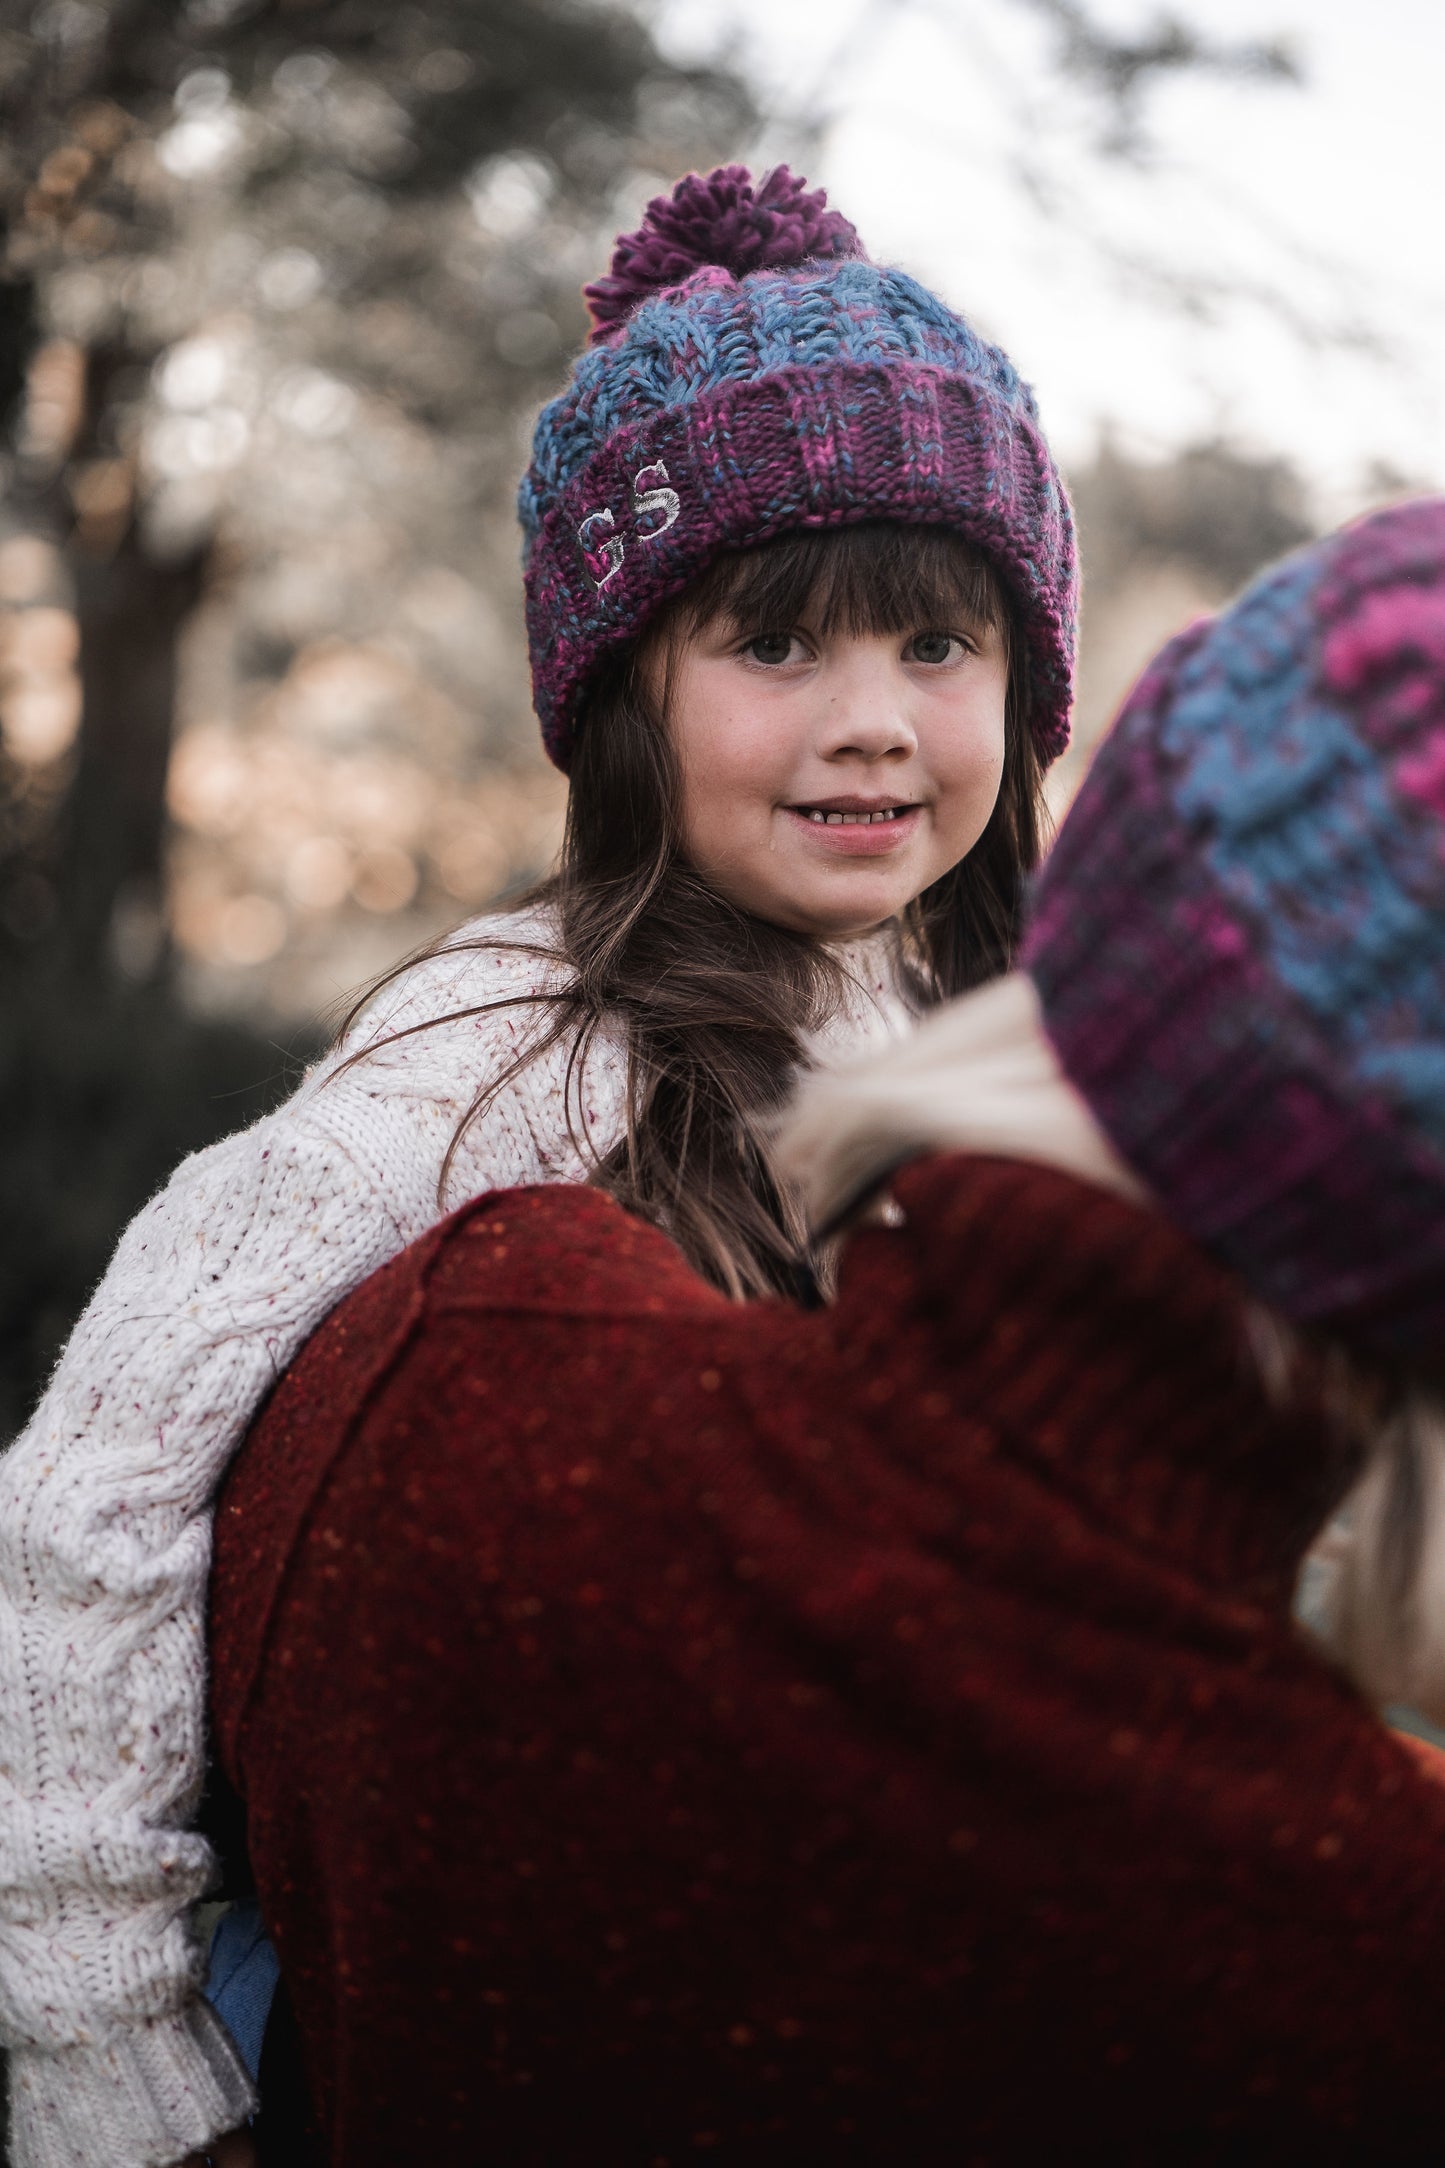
(1236, 955)
(800, 598)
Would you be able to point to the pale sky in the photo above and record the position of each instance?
(958, 153)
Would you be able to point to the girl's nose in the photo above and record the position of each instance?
(865, 711)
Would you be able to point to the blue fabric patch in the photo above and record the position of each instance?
(241, 1978)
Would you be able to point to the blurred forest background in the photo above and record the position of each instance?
(283, 284)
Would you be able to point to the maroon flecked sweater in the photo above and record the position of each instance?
(673, 1731)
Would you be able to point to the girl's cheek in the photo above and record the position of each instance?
(975, 748)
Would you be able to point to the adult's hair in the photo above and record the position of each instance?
(713, 1000)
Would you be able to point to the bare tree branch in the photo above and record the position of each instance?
(1124, 69)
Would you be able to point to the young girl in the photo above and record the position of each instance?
(800, 588)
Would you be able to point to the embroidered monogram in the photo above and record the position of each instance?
(654, 509)
(602, 558)
(656, 506)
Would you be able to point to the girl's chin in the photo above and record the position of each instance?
(840, 910)
(826, 899)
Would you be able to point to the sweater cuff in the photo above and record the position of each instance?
(143, 2099)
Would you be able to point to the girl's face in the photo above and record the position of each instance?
(829, 778)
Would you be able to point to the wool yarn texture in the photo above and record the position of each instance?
(753, 373)
(1239, 937)
(106, 1513)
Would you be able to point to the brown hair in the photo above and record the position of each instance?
(714, 1002)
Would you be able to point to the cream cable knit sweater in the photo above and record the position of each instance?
(105, 1527)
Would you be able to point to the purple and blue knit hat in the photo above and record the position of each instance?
(752, 374)
(1239, 938)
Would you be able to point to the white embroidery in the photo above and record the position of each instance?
(648, 500)
(611, 552)
(655, 507)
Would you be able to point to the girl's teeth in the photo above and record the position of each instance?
(837, 820)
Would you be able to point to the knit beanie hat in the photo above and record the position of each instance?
(1239, 938)
(752, 373)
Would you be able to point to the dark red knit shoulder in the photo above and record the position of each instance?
(681, 1729)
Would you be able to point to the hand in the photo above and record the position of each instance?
(236, 2150)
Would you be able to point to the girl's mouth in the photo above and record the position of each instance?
(858, 831)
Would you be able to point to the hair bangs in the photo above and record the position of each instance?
(879, 576)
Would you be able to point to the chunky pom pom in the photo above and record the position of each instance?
(720, 218)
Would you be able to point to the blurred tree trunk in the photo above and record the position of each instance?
(131, 610)
(131, 606)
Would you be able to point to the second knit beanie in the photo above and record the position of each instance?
(1239, 938)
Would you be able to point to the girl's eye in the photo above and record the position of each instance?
(933, 647)
(773, 648)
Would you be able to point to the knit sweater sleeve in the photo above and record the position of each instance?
(105, 1536)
